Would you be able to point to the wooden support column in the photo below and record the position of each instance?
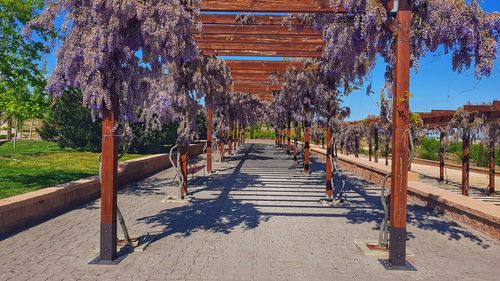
(356, 147)
(491, 159)
(307, 140)
(376, 138)
(400, 117)
(329, 152)
(276, 136)
(289, 136)
(210, 113)
(230, 141)
(239, 135)
(280, 142)
(184, 158)
(465, 163)
(235, 141)
(109, 184)
(441, 155)
(295, 140)
(283, 136)
(370, 147)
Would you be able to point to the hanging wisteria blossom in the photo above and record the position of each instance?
(355, 38)
(116, 49)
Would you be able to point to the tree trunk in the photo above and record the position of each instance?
(375, 134)
(31, 128)
(9, 128)
(15, 133)
(20, 124)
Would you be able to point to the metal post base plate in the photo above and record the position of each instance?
(406, 267)
(121, 255)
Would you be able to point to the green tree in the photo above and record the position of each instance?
(21, 73)
(71, 125)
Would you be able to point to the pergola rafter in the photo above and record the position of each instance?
(274, 6)
(265, 36)
(252, 76)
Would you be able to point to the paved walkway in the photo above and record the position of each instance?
(257, 218)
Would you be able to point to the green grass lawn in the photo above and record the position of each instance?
(37, 164)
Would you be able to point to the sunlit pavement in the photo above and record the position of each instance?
(257, 218)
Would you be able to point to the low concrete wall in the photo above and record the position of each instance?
(19, 212)
(482, 216)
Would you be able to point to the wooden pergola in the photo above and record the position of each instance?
(263, 36)
(259, 36)
(439, 119)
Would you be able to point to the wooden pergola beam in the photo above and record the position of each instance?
(268, 39)
(262, 66)
(288, 54)
(252, 78)
(274, 6)
(246, 86)
(286, 47)
(263, 96)
(256, 20)
(259, 30)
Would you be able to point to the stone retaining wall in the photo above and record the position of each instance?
(25, 210)
(481, 216)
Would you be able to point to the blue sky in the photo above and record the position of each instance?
(434, 86)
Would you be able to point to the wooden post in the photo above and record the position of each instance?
(329, 152)
(289, 136)
(356, 147)
(210, 113)
(295, 140)
(230, 141)
(238, 135)
(491, 159)
(184, 158)
(441, 155)
(375, 136)
(109, 184)
(465, 163)
(370, 144)
(233, 135)
(276, 136)
(400, 117)
(283, 136)
(307, 139)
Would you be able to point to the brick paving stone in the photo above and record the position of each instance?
(256, 218)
